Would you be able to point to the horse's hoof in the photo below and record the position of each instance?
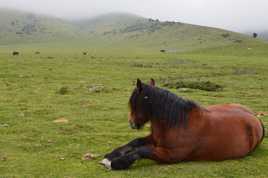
(107, 163)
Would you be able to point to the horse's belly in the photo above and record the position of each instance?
(227, 137)
(221, 148)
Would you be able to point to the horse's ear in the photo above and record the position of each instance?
(139, 84)
(152, 82)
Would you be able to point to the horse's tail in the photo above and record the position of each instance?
(263, 131)
(259, 138)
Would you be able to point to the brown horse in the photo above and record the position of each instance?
(182, 130)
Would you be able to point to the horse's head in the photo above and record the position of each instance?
(140, 104)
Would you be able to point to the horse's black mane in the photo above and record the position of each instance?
(157, 103)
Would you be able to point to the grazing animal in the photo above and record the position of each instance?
(84, 53)
(255, 35)
(162, 51)
(182, 130)
(15, 53)
(37, 52)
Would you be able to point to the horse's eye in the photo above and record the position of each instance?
(146, 97)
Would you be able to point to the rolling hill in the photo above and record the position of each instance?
(114, 29)
(110, 22)
(17, 27)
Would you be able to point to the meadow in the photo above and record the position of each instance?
(88, 96)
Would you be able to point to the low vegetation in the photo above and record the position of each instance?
(201, 85)
(58, 112)
(64, 90)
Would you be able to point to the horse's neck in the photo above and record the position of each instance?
(158, 125)
(163, 134)
(158, 130)
(194, 117)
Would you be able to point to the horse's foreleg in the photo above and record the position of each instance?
(121, 151)
(128, 159)
(159, 154)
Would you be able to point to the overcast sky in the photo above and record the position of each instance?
(238, 15)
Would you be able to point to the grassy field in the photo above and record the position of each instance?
(91, 92)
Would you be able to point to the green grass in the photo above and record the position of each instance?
(32, 145)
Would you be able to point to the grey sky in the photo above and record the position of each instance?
(238, 15)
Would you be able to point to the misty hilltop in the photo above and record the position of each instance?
(113, 28)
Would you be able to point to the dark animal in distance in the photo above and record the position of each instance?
(84, 53)
(255, 35)
(182, 130)
(37, 52)
(15, 53)
(162, 51)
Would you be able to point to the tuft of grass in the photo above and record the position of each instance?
(64, 90)
(201, 85)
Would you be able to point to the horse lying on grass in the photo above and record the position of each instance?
(182, 130)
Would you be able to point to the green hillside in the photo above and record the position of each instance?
(109, 23)
(118, 28)
(114, 29)
(19, 27)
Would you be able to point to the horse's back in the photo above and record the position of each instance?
(231, 131)
(230, 107)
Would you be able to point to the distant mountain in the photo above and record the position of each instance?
(114, 28)
(18, 26)
(172, 36)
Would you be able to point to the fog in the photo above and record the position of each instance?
(237, 15)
